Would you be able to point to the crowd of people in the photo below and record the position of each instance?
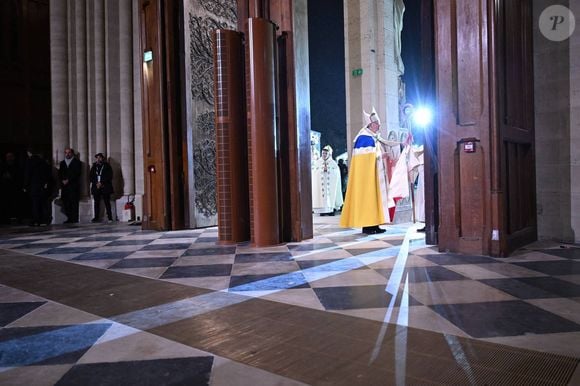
(366, 195)
(29, 184)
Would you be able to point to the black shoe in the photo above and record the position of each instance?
(95, 220)
(373, 230)
(68, 222)
(421, 230)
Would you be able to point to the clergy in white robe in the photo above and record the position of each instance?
(326, 184)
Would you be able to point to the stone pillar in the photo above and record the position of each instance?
(575, 123)
(352, 52)
(370, 45)
(119, 91)
(78, 85)
(59, 77)
(554, 131)
(96, 75)
(139, 169)
(127, 154)
(95, 65)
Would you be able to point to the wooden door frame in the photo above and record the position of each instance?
(175, 102)
(501, 130)
(471, 88)
(153, 95)
(162, 116)
(427, 77)
(463, 87)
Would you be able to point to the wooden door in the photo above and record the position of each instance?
(515, 123)
(156, 197)
(486, 136)
(463, 98)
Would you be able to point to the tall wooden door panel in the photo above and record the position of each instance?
(486, 136)
(461, 43)
(154, 136)
(516, 122)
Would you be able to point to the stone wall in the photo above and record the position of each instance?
(370, 45)
(557, 127)
(575, 122)
(96, 92)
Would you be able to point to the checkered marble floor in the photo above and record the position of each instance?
(529, 300)
(47, 343)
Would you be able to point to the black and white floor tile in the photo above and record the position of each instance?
(46, 343)
(393, 277)
(341, 268)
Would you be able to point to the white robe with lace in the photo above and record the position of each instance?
(326, 186)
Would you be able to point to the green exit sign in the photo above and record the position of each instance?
(357, 72)
(147, 56)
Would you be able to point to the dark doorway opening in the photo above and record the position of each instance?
(327, 78)
(25, 77)
(25, 104)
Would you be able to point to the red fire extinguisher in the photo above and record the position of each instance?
(129, 209)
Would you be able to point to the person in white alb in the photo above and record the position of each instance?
(326, 185)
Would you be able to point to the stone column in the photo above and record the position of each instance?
(127, 153)
(138, 170)
(575, 122)
(370, 45)
(96, 75)
(78, 85)
(59, 77)
(553, 128)
(119, 100)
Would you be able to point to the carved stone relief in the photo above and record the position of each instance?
(202, 17)
(204, 166)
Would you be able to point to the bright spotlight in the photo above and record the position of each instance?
(422, 117)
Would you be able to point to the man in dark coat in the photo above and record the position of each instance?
(101, 178)
(37, 179)
(69, 174)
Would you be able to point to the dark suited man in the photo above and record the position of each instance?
(37, 178)
(69, 174)
(101, 178)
